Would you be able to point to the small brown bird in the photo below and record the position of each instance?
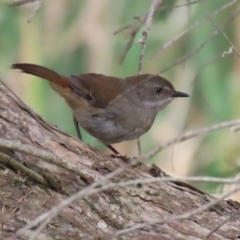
(110, 109)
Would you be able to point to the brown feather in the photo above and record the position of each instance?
(96, 88)
(43, 72)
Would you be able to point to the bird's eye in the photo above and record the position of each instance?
(158, 90)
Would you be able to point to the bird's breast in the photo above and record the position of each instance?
(112, 125)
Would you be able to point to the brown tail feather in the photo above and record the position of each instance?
(43, 72)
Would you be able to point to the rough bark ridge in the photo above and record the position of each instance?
(95, 217)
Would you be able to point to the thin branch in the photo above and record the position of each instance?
(38, 4)
(22, 2)
(188, 135)
(67, 202)
(7, 160)
(236, 129)
(192, 27)
(179, 217)
(92, 188)
(142, 18)
(133, 30)
(227, 38)
(35, 11)
(180, 5)
(144, 181)
(43, 155)
(214, 33)
(143, 41)
(221, 224)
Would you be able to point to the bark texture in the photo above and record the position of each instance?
(22, 199)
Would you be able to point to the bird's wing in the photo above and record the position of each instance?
(98, 89)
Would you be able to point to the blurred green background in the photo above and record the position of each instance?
(73, 37)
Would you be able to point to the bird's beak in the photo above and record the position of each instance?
(179, 94)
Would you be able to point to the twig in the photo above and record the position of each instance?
(215, 32)
(46, 217)
(229, 51)
(24, 2)
(36, 9)
(143, 41)
(173, 218)
(193, 26)
(65, 203)
(136, 182)
(7, 160)
(43, 155)
(188, 135)
(21, 2)
(134, 28)
(144, 181)
(236, 129)
(180, 5)
(91, 188)
(227, 38)
(221, 224)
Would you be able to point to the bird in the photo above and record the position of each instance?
(110, 109)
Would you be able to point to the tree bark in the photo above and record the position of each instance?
(30, 186)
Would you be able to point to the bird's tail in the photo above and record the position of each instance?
(43, 72)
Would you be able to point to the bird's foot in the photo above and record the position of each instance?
(125, 158)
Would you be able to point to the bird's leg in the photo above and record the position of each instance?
(80, 137)
(77, 128)
(117, 154)
(113, 149)
(125, 158)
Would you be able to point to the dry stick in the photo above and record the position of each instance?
(173, 218)
(35, 234)
(36, 9)
(184, 58)
(228, 52)
(136, 182)
(193, 26)
(65, 203)
(43, 155)
(91, 188)
(144, 181)
(7, 160)
(237, 234)
(236, 129)
(229, 41)
(180, 5)
(134, 30)
(221, 224)
(188, 135)
(143, 41)
(23, 2)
